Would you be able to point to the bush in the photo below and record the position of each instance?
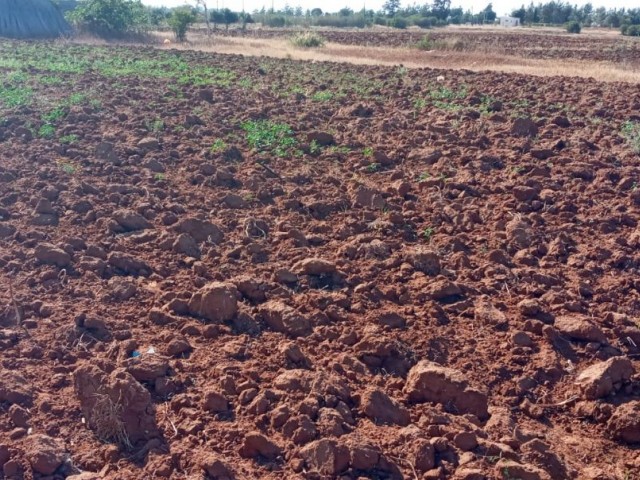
(423, 22)
(307, 40)
(573, 27)
(631, 30)
(277, 21)
(336, 21)
(426, 43)
(380, 21)
(398, 22)
(180, 20)
(110, 18)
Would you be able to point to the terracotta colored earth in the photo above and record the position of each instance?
(405, 274)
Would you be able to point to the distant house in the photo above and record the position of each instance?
(509, 21)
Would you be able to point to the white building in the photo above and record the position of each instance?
(509, 21)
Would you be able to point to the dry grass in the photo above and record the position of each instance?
(412, 58)
(106, 420)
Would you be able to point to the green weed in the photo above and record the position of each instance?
(427, 233)
(47, 131)
(218, 146)
(268, 136)
(631, 132)
(68, 138)
(323, 96)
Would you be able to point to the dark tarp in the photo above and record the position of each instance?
(31, 19)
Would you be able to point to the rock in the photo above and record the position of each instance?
(216, 302)
(561, 121)
(148, 144)
(216, 468)
(541, 153)
(579, 328)
(379, 407)
(323, 139)
(130, 221)
(430, 382)
(5, 454)
(284, 319)
(529, 307)
(45, 207)
(117, 408)
(44, 453)
(215, 402)
(19, 416)
(85, 476)
(314, 266)
(392, 320)
(326, 456)
(601, 379)
(511, 469)
(425, 261)
(524, 127)
(147, 367)
(442, 289)
(106, 151)
(369, 198)
(465, 473)
(523, 193)
(285, 276)
(250, 288)
(234, 201)
(521, 339)
(52, 255)
(200, 230)
(178, 346)
(257, 445)
(465, 441)
(624, 424)
(425, 456)
(486, 314)
(364, 457)
(6, 230)
(128, 264)
(185, 244)
(14, 388)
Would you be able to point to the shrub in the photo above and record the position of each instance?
(180, 20)
(110, 18)
(426, 43)
(631, 30)
(277, 21)
(574, 27)
(307, 40)
(380, 21)
(398, 22)
(336, 21)
(423, 22)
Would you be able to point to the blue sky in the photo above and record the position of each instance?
(500, 6)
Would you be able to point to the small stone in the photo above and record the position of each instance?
(624, 424)
(216, 302)
(579, 328)
(148, 143)
(44, 453)
(521, 339)
(465, 441)
(215, 402)
(326, 457)
(314, 266)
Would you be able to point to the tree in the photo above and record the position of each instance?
(441, 9)
(489, 14)
(316, 12)
(345, 12)
(391, 7)
(520, 13)
(180, 20)
(203, 3)
(229, 17)
(110, 18)
(217, 16)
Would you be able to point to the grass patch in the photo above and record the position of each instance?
(268, 136)
(631, 132)
(47, 131)
(307, 40)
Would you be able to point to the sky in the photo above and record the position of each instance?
(501, 7)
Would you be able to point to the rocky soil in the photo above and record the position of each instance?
(431, 275)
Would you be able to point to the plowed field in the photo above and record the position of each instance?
(230, 267)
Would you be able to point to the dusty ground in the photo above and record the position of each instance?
(405, 274)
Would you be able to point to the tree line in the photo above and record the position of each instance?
(115, 17)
